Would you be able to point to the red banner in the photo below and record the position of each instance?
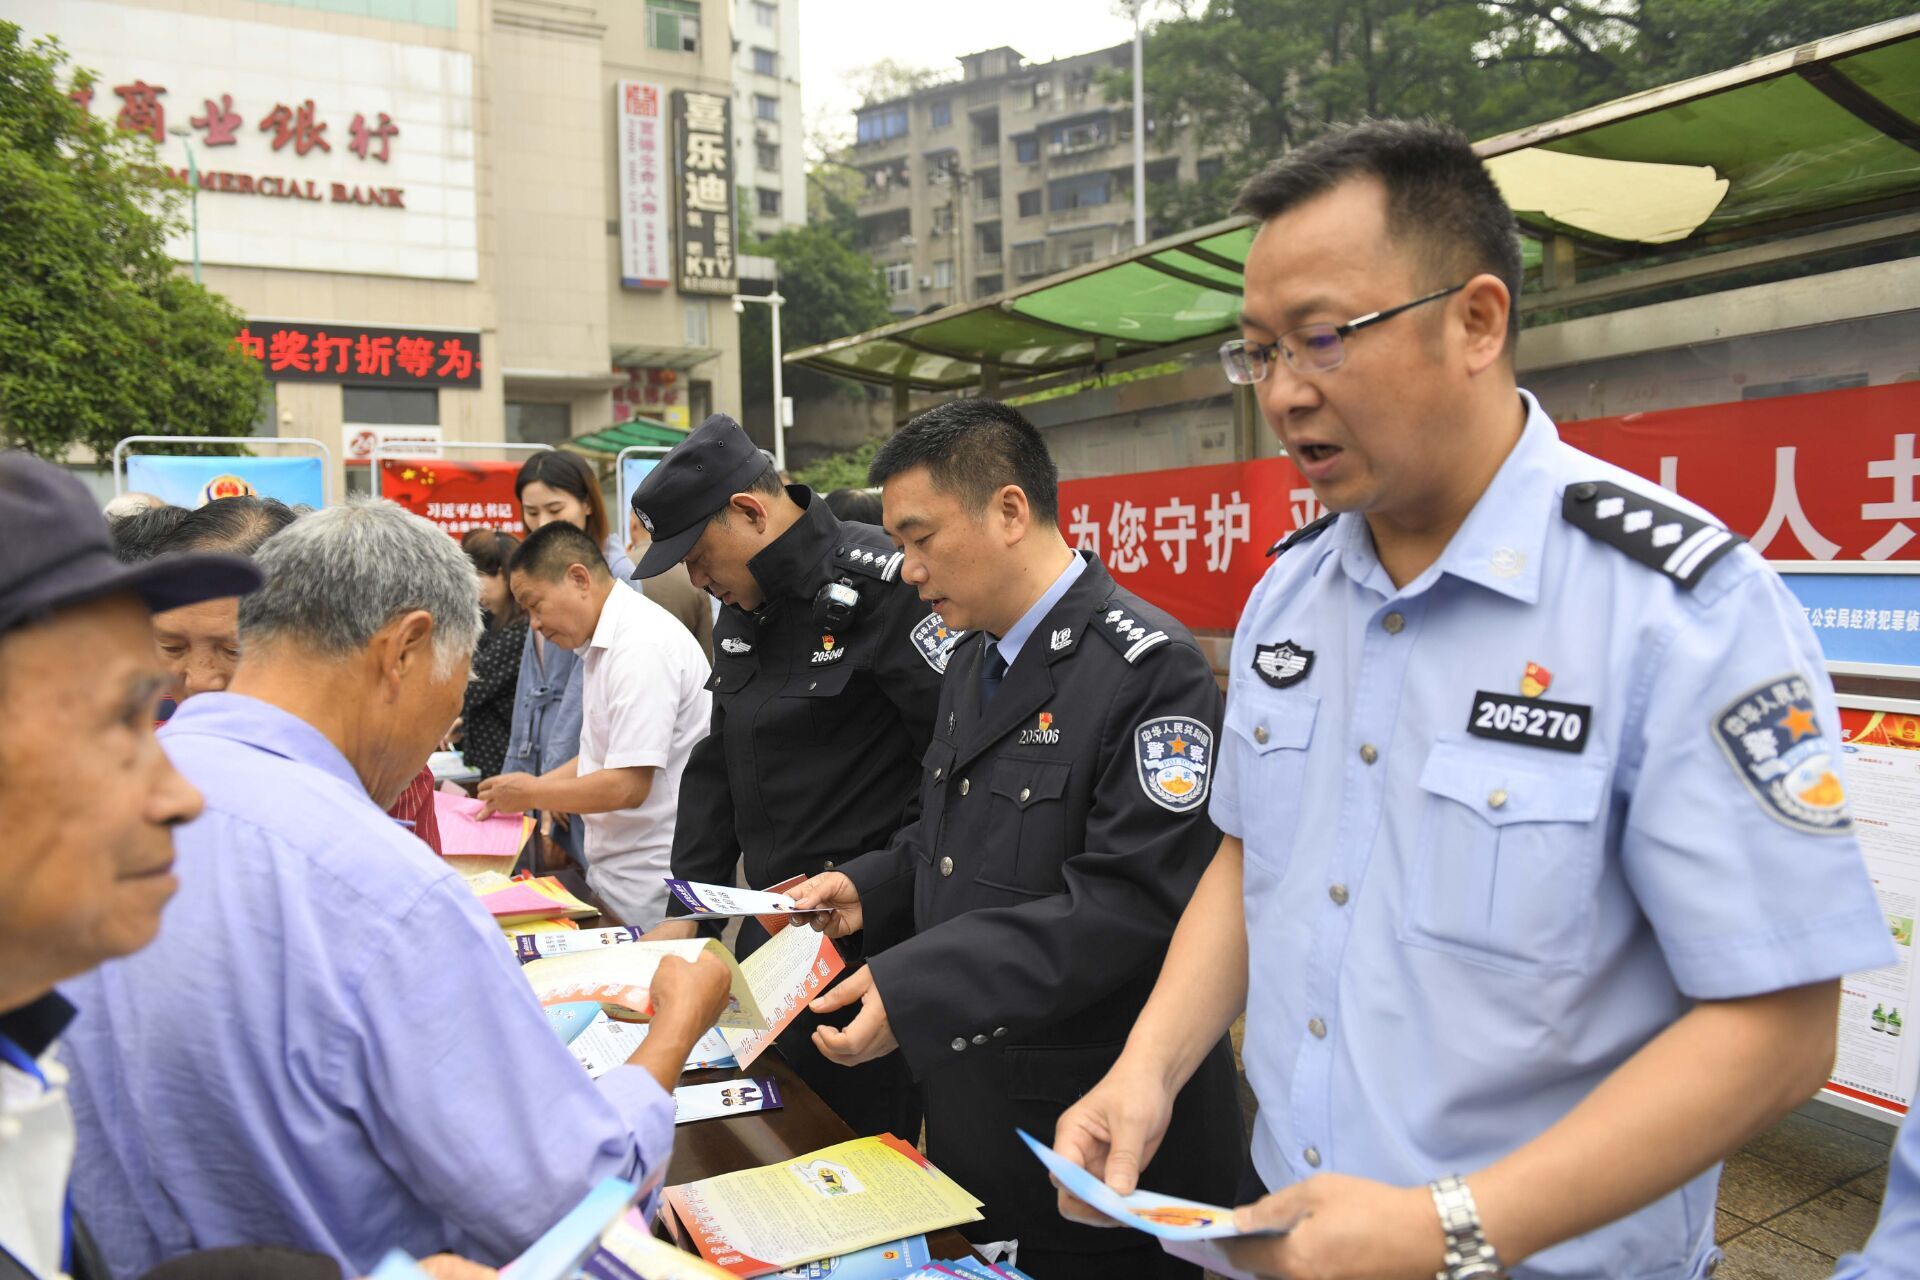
(1815, 477)
(457, 496)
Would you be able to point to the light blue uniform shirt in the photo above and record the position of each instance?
(1453, 938)
(1017, 635)
(1894, 1251)
(329, 1046)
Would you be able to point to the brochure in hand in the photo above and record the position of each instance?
(723, 900)
(619, 980)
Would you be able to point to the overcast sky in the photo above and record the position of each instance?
(838, 37)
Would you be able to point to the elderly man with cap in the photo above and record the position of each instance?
(330, 1046)
(79, 680)
(826, 674)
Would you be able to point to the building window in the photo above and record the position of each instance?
(986, 131)
(1042, 93)
(766, 156)
(1026, 148)
(1083, 135)
(769, 202)
(1080, 253)
(883, 123)
(1079, 192)
(766, 62)
(532, 423)
(989, 233)
(987, 183)
(899, 277)
(943, 274)
(1208, 170)
(940, 114)
(765, 108)
(985, 285)
(1030, 259)
(1029, 204)
(696, 324)
(390, 406)
(765, 15)
(942, 219)
(673, 25)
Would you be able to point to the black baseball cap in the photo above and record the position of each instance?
(680, 495)
(56, 551)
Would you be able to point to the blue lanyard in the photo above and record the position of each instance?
(14, 1056)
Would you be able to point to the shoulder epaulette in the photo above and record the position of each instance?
(875, 562)
(1311, 529)
(1125, 632)
(1680, 545)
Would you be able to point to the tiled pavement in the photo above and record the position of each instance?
(1795, 1199)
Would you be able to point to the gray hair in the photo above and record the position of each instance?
(336, 577)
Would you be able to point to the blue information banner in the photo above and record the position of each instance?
(1868, 618)
(194, 482)
(632, 472)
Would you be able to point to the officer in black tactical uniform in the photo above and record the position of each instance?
(826, 673)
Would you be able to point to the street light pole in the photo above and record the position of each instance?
(772, 300)
(1139, 133)
(193, 192)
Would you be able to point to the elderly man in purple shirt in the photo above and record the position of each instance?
(330, 1045)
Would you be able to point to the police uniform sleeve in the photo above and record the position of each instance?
(705, 847)
(1023, 966)
(884, 879)
(1738, 842)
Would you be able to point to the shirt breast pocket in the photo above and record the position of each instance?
(828, 714)
(1506, 857)
(1271, 731)
(1026, 826)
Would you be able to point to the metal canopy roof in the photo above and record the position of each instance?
(1821, 133)
(639, 431)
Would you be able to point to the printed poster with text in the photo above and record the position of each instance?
(1878, 1057)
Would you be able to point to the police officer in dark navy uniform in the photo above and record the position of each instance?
(826, 671)
(1062, 829)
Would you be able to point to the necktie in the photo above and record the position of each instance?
(993, 668)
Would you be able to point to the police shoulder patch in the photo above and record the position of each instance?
(1175, 758)
(1771, 738)
(934, 641)
(874, 562)
(1680, 545)
(1131, 635)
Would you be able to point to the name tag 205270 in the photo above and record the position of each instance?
(1530, 722)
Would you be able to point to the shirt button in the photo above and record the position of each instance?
(946, 866)
(1338, 892)
(829, 866)
(1312, 1156)
(1024, 794)
(1260, 734)
(939, 773)
(1369, 753)
(999, 1033)
(980, 1039)
(959, 1044)
(966, 785)
(1393, 623)
(1318, 1028)
(1497, 799)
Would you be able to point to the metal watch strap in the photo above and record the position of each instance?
(1469, 1256)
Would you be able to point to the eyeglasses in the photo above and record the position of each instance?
(1312, 348)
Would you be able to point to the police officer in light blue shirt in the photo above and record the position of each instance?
(1894, 1251)
(1538, 876)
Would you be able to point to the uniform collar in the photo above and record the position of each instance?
(1499, 545)
(795, 563)
(1017, 635)
(264, 727)
(34, 1027)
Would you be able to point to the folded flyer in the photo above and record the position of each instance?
(557, 1255)
(628, 1251)
(519, 901)
(561, 942)
(829, 1202)
(1166, 1217)
(723, 900)
(619, 980)
(788, 970)
(725, 1098)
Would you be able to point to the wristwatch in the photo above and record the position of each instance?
(1469, 1256)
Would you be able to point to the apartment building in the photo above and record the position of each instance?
(767, 127)
(1008, 171)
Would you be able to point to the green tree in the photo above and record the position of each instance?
(1255, 78)
(831, 290)
(100, 336)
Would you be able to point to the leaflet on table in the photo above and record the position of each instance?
(1167, 1217)
(619, 978)
(789, 969)
(966, 1269)
(600, 1044)
(886, 1261)
(463, 834)
(628, 1251)
(833, 1201)
(518, 901)
(566, 942)
(722, 900)
(1877, 1059)
(725, 1098)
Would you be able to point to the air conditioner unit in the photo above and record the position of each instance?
(936, 233)
(1043, 89)
(926, 282)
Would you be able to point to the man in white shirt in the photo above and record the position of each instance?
(645, 704)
